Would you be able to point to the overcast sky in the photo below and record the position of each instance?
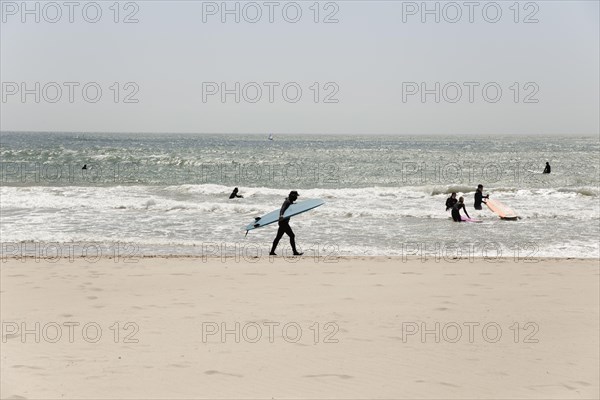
(486, 68)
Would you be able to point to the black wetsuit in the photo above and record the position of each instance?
(450, 202)
(478, 200)
(456, 211)
(235, 194)
(284, 227)
(547, 169)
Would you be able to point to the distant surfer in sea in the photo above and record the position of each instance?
(547, 170)
(284, 225)
(451, 201)
(479, 197)
(456, 210)
(84, 166)
(235, 194)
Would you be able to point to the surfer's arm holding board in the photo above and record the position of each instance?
(465, 210)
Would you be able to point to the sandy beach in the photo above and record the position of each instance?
(353, 328)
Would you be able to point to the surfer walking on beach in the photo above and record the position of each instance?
(451, 201)
(456, 210)
(284, 225)
(547, 169)
(479, 197)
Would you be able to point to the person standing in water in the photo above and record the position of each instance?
(284, 225)
(479, 197)
(547, 169)
(456, 210)
(451, 201)
(235, 194)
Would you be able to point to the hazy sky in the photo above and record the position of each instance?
(364, 73)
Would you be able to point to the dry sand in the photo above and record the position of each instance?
(355, 317)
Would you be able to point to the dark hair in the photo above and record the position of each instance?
(479, 186)
(453, 193)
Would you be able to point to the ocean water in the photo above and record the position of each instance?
(167, 194)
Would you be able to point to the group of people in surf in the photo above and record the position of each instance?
(456, 205)
(451, 204)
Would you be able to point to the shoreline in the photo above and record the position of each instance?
(424, 259)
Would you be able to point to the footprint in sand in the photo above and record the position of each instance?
(213, 372)
(25, 366)
(329, 376)
(179, 365)
(448, 384)
(582, 383)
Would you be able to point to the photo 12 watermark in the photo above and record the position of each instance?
(70, 173)
(265, 173)
(53, 12)
(70, 332)
(470, 92)
(253, 12)
(270, 332)
(469, 332)
(470, 12)
(230, 173)
(471, 251)
(270, 92)
(54, 252)
(243, 252)
(70, 92)
(473, 172)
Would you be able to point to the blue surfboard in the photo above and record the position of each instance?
(273, 216)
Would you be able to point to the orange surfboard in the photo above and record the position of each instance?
(501, 210)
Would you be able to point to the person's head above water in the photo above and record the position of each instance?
(453, 195)
(235, 190)
(461, 199)
(480, 186)
(293, 195)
